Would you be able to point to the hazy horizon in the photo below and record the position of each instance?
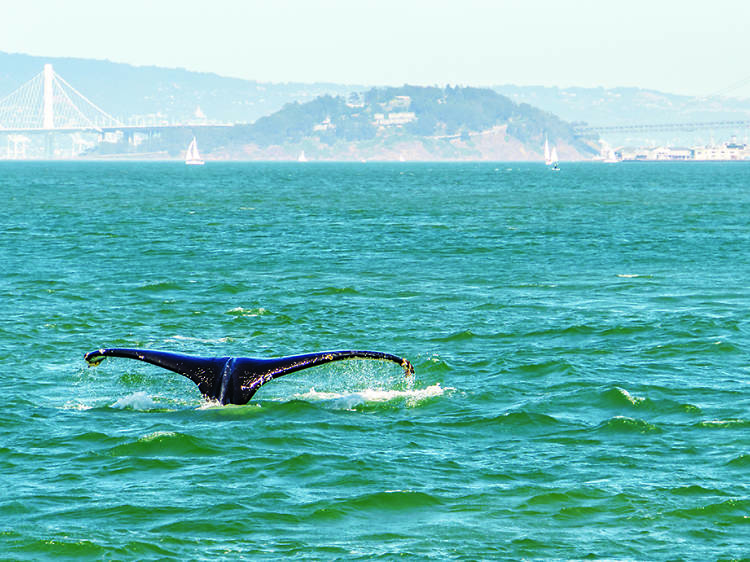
(667, 46)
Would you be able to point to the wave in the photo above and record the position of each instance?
(432, 364)
(622, 424)
(389, 500)
(689, 345)
(165, 444)
(743, 461)
(511, 420)
(457, 336)
(695, 490)
(156, 286)
(724, 424)
(619, 397)
(549, 367)
(238, 311)
(733, 509)
(616, 399)
(335, 291)
(229, 288)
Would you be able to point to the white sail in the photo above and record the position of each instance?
(547, 159)
(192, 156)
(302, 157)
(554, 160)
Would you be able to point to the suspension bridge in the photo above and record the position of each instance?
(49, 104)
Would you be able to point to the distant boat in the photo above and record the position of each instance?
(547, 156)
(611, 157)
(554, 160)
(302, 157)
(192, 156)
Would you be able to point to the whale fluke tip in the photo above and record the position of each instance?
(93, 358)
(408, 368)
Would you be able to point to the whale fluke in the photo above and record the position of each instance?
(234, 380)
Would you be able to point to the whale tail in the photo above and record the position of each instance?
(234, 380)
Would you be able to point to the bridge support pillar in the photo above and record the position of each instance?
(49, 146)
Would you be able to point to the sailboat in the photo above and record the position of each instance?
(302, 157)
(547, 157)
(192, 157)
(554, 160)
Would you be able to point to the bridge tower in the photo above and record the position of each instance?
(47, 102)
(48, 96)
(48, 110)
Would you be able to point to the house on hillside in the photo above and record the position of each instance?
(394, 118)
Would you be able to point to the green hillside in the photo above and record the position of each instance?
(410, 110)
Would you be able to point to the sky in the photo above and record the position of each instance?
(693, 47)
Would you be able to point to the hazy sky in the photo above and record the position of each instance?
(681, 46)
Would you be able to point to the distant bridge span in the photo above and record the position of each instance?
(662, 127)
(124, 128)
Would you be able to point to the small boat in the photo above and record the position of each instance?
(302, 157)
(192, 157)
(547, 156)
(554, 160)
(611, 157)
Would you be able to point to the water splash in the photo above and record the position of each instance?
(137, 401)
(350, 400)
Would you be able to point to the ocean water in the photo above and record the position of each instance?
(580, 342)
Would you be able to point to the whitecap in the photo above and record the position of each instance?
(630, 398)
(156, 435)
(247, 312)
(79, 406)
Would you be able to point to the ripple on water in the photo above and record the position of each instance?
(158, 286)
(392, 502)
(742, 461)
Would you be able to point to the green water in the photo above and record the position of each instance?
(580, 342)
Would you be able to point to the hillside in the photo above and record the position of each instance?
(149, 93)
(414, 122)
